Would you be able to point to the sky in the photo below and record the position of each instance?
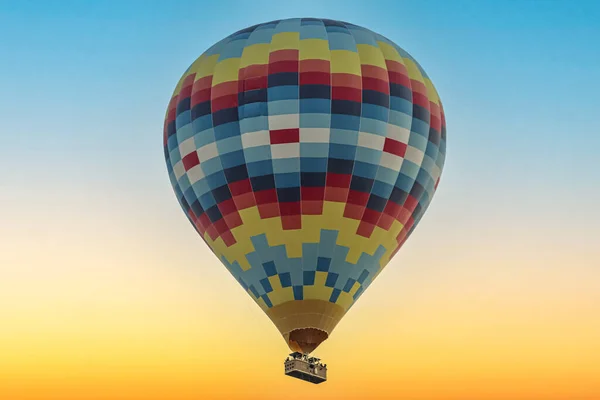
(107, 292)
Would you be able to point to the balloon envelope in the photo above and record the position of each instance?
(304, 152)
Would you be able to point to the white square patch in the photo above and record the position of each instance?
(207, 152)
(314, 135)
(287, 121)
(187, 146)
(371, 141)
(178, 170)
(254, 139)
(195, 174)
(391, 161)
(286, 150)
(398, 133)
(414, 155)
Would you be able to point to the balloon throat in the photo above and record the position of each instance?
(306, 340)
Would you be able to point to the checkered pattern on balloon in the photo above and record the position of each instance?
(305, 152)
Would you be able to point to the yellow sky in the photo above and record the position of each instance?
(125, 304)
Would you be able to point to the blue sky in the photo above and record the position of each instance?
(85, 86)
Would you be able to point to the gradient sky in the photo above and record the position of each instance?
(107, 293)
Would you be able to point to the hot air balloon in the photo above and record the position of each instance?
(304, 152)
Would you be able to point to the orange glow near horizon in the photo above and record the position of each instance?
(143, 321)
